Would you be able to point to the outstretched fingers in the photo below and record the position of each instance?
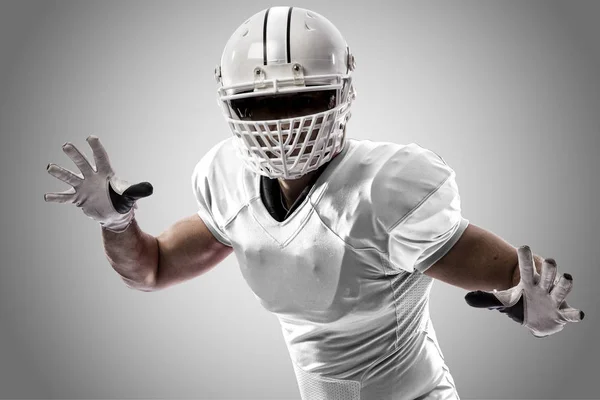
(64, 175)
(562, 288)
(100, 155)
(62, 197)
(79, 159)
(548, 274)
(572, 314)
(526, 265)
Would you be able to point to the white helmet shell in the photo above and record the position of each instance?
(283, 50)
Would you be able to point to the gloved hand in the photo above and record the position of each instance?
(101, 195)
(537, 301)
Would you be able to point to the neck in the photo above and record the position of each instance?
(291, 188)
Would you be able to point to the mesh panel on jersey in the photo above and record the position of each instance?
(411, 293)
(315, 387)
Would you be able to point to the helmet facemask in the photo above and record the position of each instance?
(290, 133)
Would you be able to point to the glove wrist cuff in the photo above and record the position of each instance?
(121, 224)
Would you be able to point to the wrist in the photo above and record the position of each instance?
(119, 224)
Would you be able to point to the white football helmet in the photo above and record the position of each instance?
(279, 57)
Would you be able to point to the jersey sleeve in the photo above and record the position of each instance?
(431, 221)
(202, 186)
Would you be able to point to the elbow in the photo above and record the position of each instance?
(144, 284)
(141, 288)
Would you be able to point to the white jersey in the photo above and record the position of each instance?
(344, 272)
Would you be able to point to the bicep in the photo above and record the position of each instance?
(187, 249)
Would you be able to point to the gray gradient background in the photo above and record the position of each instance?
(507, 92)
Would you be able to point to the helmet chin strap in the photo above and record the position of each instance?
(352, 97)
(343, 139)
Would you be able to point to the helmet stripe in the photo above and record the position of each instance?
(289, 24)
(265, 37)
(276, 35)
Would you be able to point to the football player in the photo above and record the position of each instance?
(340, 238)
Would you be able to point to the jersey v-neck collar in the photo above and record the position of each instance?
(272, 196)
(280, 225)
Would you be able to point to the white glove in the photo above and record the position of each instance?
(101, 195)
(537, 302)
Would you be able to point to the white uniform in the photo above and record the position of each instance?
(343, 273)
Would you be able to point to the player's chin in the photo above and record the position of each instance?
(298, 140)
(295, 153)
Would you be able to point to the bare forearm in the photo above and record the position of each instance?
(480, 260)
(133, 254)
